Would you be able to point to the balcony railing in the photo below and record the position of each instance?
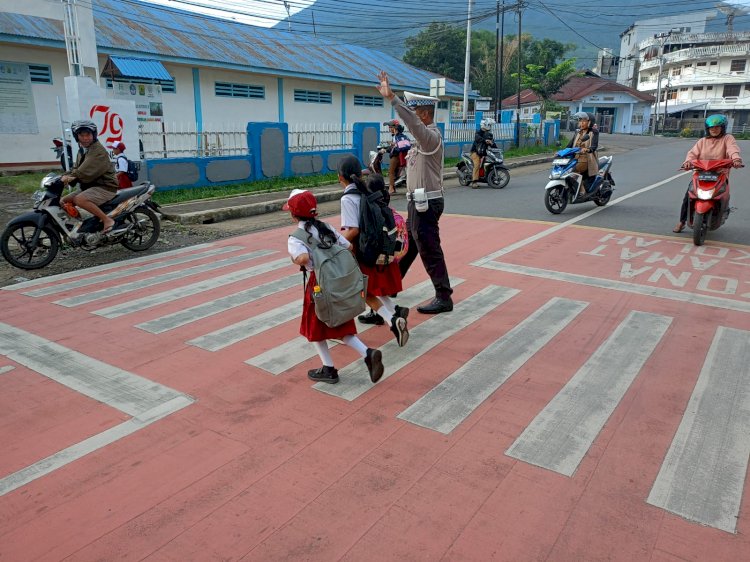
(678, 38)
(699, 53)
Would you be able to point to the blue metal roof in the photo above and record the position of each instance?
(151, 31)
(130, 67)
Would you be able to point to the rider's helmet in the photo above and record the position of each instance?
(486, 124)
(717, 120)
(83, 125)
(396, 124)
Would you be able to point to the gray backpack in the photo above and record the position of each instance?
(339, 293)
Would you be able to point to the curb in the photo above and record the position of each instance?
(209, 216)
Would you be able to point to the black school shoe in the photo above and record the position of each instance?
(371, 317)
(436, 306)
(402, 311)
(399, 329)
(374, 362)
(324, 374)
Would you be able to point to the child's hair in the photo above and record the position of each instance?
(375, 183)
(351, 170)
(325, 234)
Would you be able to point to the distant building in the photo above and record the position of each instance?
(618, 108)
(186, 71)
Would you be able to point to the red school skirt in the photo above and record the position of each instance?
(312, 328)
(382, 280)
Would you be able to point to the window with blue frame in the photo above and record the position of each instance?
(368, 101)
(40, 74)
(247, 91)
(312, 96)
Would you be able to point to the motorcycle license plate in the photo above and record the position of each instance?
(708, 176)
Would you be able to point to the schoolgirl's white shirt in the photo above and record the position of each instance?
(122, 163)
(350, 208)
(296, 248)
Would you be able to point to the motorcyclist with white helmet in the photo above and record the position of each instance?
(483, 139)
(587, 139)
(93, 173)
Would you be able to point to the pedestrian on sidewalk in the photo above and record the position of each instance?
(382, 280)
(121, 165)
(425, 177)
(303, 207)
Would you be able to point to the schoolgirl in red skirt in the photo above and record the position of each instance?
(303, 208)
(382, 280)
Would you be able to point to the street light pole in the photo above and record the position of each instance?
(520, 66)
(467, 61)
(663, 39)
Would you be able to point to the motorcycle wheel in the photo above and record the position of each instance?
(498, 178)
(464, 177)
(15, 246)
(144, 232)
(555, 200)
(700, 227)
(603, 199)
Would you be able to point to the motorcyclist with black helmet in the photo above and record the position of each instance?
(93, 173)
(716, 145)
(587, 139)
(400, 145)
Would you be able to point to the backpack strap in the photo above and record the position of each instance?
(301, 235)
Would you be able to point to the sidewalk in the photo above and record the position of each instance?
(207, 211)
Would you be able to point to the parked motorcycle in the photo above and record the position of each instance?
(565, 182)
(63, 147)
(32, 240)
(492, 171)
(708, 197)
(376, 160)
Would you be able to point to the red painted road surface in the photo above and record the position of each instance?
(256, 466)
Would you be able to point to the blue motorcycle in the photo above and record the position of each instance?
(565, 182)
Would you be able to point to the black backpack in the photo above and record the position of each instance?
(377, 241)
(133, 168)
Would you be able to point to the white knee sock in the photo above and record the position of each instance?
(325, 356)
(356, 344)
(388, 303)
(385, 312)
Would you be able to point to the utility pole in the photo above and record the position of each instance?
(288, 15)
(662, 37)
(502, 66)
(497, 62)
(520, 66)
(467, 61)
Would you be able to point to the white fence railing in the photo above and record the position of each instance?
(464, 132)
(335, 136)
(183, 140)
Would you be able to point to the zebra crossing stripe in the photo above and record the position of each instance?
(454, 399)
(189, 290)
(119, 274)
(295, 351)
(703, 474)
(353, 379)
(206, 309)
(131, 286)
(103, 267)
(249, 327)
(563, 432)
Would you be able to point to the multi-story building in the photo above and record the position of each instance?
(700, 73)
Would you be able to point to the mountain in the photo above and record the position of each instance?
(385, 25)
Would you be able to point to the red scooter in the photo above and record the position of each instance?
(708, 205)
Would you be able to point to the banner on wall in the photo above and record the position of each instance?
(17, 111)
(147, 98)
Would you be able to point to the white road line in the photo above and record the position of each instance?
(625, 287)
(531, 239)
(703, 474)
(354, 380)
(562, 433)
(289, 354)
(145, 400)
(6, 369)
(121, 273)
(157, 299)
(132, 286)
(104, 267)
(249, 327)
(454, 399)
(217, 306)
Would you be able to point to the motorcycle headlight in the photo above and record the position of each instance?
(38, 196)
(554, 175)
(561, 161)
(704, 194)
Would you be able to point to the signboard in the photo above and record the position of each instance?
(437, 87)
(17, 111)
(482, 105)
(552, 115)
(147, 98)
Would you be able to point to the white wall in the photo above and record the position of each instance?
(218, 110)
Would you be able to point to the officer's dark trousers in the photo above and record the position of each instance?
(424, 239)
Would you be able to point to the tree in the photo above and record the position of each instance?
(545, 83)
(440, 48)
